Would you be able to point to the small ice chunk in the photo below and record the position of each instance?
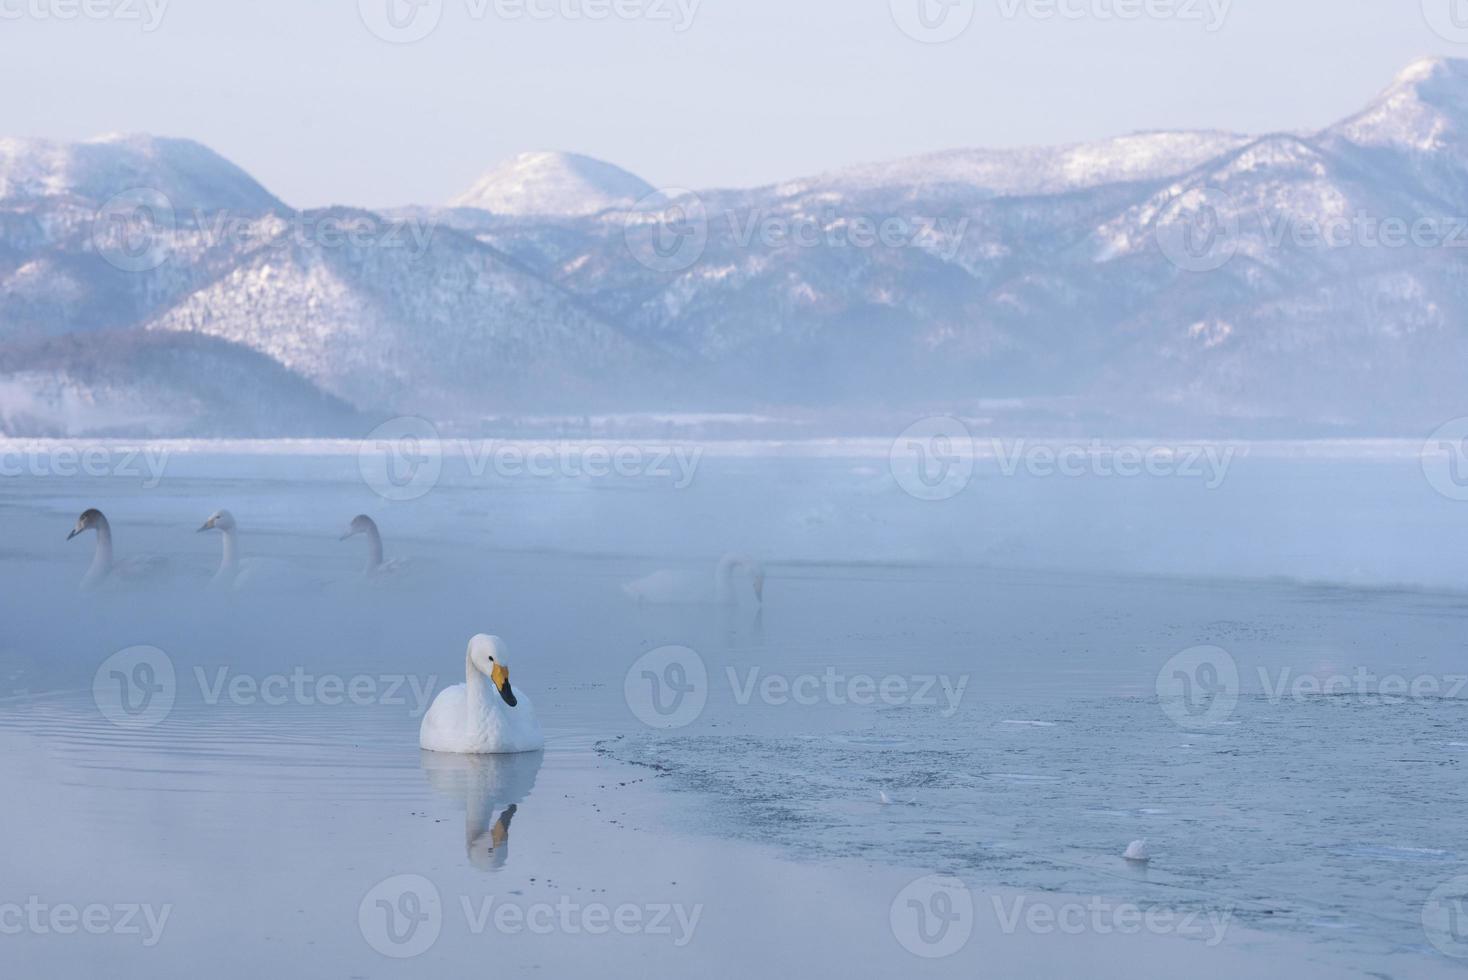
(1138, 851)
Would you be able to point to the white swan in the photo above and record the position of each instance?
(105, 567)
(376, 569)
(484, 715)
(675, 587)
(238, 573)
(491, 789)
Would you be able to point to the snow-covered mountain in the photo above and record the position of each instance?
(553, 184)
(1161, 281)
(191, 176)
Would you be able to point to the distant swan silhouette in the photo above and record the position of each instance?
(376, 567)
(684, 587)
(484, 715)
(238, 573)
(105, 567)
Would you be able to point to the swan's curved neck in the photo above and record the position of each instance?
(230, 558)
(481, 693)
(374, 548)
(102, 560)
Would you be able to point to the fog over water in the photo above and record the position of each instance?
(970, 686)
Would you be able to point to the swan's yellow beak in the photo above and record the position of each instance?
(500, 674)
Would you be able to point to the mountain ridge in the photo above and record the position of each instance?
(1035, 278)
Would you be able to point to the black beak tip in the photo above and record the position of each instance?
(72, 535)
(509, 696)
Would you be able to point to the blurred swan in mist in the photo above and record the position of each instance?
(239, 573)
(669, 587)
(376, 569)
(491, 788)
(484, 715)
(105, 567)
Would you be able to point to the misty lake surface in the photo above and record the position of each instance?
(1001, 686)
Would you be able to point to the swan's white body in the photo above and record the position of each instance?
(476, 717)
(377, 569)
(669, 587)
(491, 788)
(237, 573)
(106, 569)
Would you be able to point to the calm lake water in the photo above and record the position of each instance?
(1008, 686)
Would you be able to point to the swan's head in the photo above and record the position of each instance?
(220, 520)
(361, 524)
(89, 521)
(490, 657)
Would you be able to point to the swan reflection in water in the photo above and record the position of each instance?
(491, 789)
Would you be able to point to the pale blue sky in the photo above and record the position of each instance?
(304, 96)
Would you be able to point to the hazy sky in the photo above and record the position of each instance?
(308, 99)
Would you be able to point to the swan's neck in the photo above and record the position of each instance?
(481, 692)
(102, 560)
(229, 560)
(374, 549)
